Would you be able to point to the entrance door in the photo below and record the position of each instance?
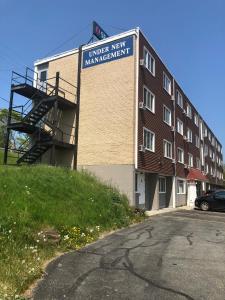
(140, 189)
(42, 79)
(162, 192)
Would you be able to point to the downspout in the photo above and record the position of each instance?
(136, 101)
(174, 145)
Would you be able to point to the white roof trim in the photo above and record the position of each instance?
(85, 47)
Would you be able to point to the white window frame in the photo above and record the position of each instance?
(198, 163)
(190, 160)
(206, 150)
(165, 152)
(178, 187)
(165, 108)
(162, 191)
(196, 120)
(189, 111)
(153, 143)
(189, 135)
(197, 141)
(180, 100)
(182, 155)
(152, 109)
(167, 80)
(146, 61)
(181, 126)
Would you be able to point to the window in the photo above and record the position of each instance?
(149, 100)
(180, 126)
(166, 83)
(220, 195)
(43, 75)
(197, 141)
(179, 99)
(149, 61)
(198, 163)
(180, 186)
(210, 153)
(206, 150)
(207, 168)
(189, 135)
(180, 155)
(166, 115)
(189, 111)
(205, 132)
(196, 120)
(136, 182)
(210, 136)
(162, 185)
(190, 160)
(149, 140)
(201, 130)
(167, 149)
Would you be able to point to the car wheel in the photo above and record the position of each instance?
(204, 206)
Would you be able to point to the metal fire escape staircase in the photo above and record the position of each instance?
(41, 129)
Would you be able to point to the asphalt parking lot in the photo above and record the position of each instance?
(177, 255)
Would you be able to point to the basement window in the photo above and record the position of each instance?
(180, 186)
(162, 185)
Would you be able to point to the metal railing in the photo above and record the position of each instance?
(48, 86)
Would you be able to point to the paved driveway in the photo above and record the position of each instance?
(178, 255)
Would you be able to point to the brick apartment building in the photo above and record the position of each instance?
(137, 129)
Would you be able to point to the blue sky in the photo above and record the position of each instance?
(189, 36)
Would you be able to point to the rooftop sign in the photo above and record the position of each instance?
(99, 32)
(108, 52)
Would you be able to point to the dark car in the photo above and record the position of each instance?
(212, 201)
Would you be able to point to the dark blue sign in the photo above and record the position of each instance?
(108, 52)
(99, 32)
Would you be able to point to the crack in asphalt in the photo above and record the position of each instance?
(127, 264)
(189, 236)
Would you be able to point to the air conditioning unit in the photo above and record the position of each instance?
(172, 128)
(185, 138)
(172, 98)
(188, 140)
(173, 161)
(141, 105)
(142, 148)
(184, 112)
(185, 166)
(142, 62)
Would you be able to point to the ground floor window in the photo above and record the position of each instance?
(162, 185)
(180, 186)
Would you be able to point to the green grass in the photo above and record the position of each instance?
(12, 157)
(37, 198)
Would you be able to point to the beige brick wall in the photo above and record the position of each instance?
(107, 113)
(67, 67)
(107, 109)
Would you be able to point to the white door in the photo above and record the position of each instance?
(42, 79)
(141, 187)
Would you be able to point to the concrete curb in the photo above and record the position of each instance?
(150, 213)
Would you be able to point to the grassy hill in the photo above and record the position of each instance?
(45, 210)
